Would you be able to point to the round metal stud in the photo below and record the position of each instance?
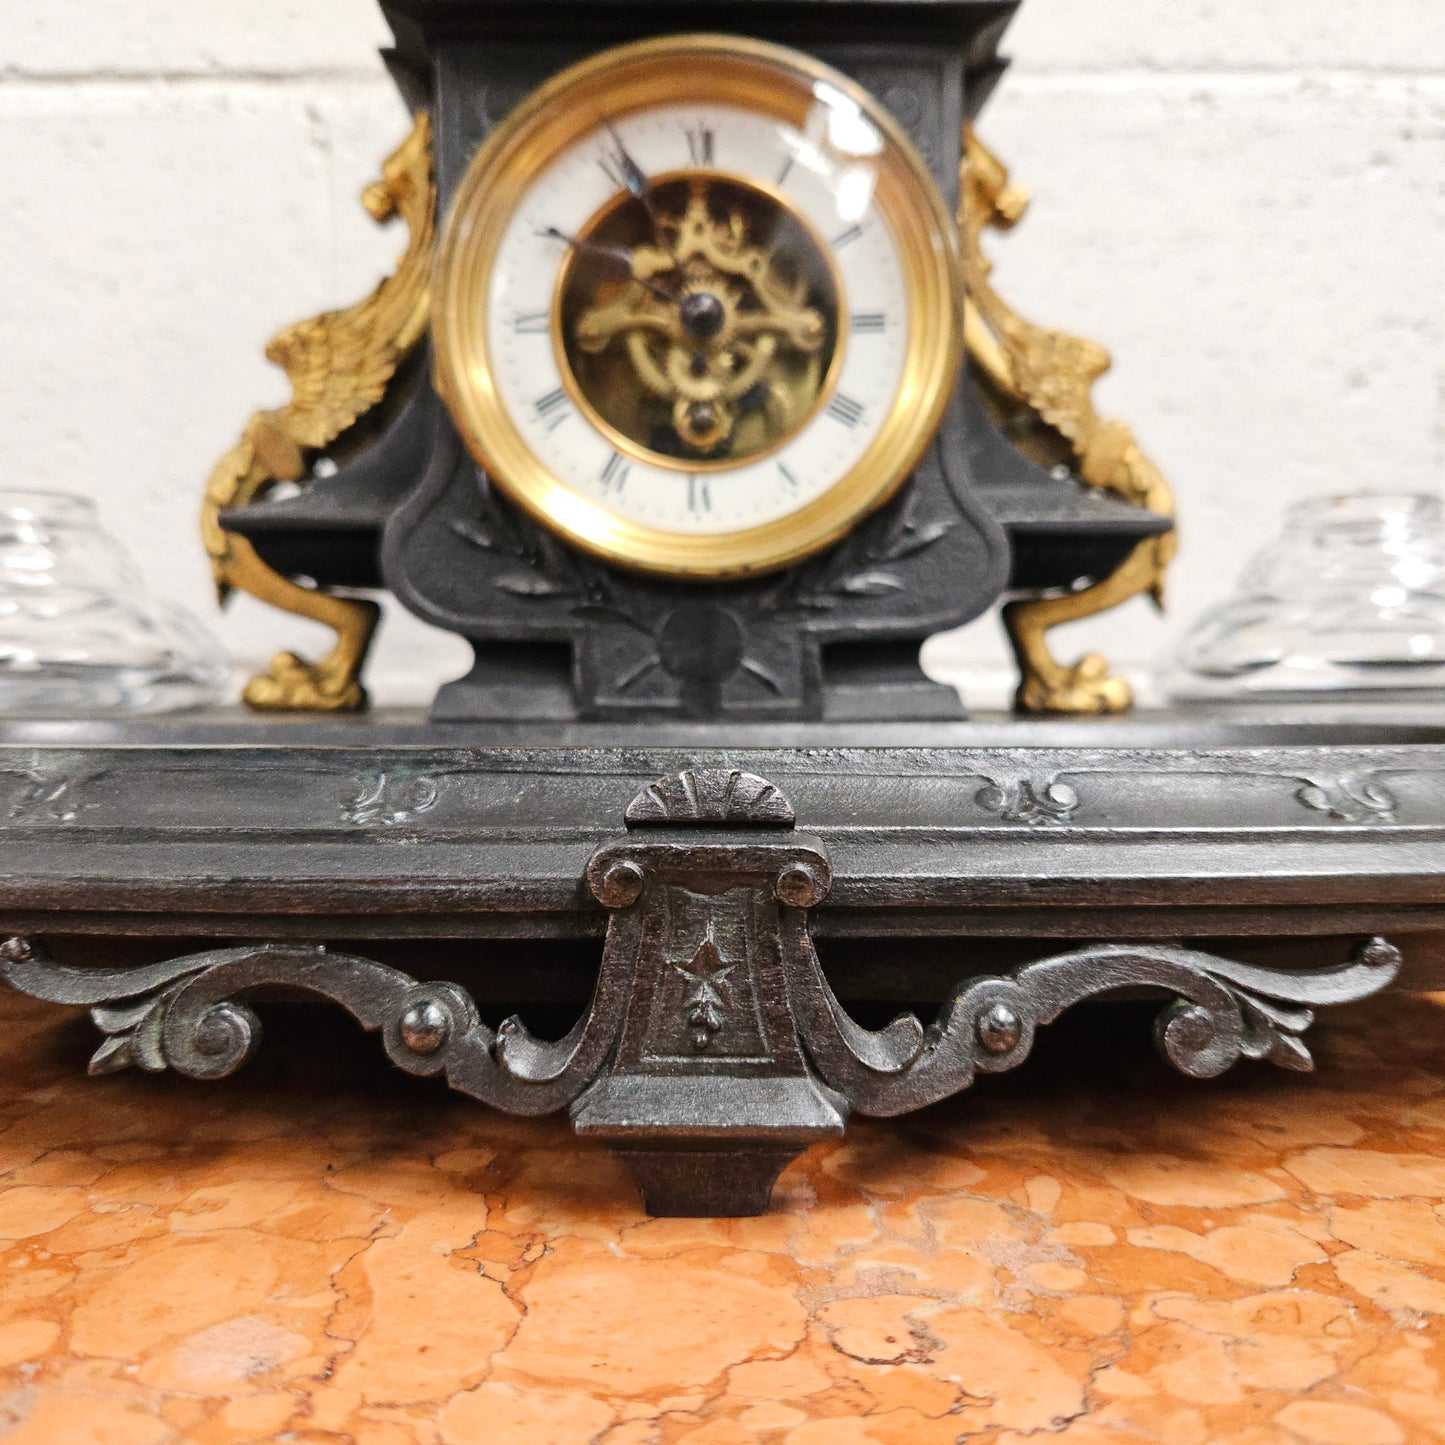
(702, 314)
(799, 886)
(216, 1044)
(999, 1028)
(1198, 1042)
(424, 1026)
(1379, 953)
(621, 884)
(213, 1031)
(1190, 1028)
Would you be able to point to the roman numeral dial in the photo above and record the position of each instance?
(614, 472)
(701, 144)
(553, 409)
(685, 330)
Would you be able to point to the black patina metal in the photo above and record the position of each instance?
(560, 635)
(714, 1046)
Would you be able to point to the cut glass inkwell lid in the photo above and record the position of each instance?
(80, 636)
(1349, 599)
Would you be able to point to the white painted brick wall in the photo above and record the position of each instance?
(1243, 199)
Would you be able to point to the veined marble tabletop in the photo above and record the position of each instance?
(322, 1252)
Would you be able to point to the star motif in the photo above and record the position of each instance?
(708, 994)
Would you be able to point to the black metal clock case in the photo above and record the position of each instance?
(558, 634)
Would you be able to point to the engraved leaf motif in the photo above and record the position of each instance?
(891, 536)
(386, 799)
(133, 1035)
(915, 539)
(474, 533)
(112, 1056)
(46, 798)
(1272, 1031)
(870, 584)
(523, 585)
(1288, 1051)
(606, 612)
(761, 674)
(707, 996)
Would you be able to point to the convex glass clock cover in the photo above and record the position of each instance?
(698, 305)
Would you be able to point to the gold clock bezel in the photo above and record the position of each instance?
(691, 69)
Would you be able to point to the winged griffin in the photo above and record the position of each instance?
(339, 365)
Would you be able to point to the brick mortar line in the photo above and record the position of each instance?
(44, 79)
(1163, 77)
(1261, 79)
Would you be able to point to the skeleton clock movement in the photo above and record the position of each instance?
(670, 408)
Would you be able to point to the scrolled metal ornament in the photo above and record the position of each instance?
(713, 1050)
(1219, 1011)
(190, 1015)
(1350, 799)
(1026, 800)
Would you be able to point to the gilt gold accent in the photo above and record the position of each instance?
(339, 365)
(692, 69)
(1042, 380)
(755, 336)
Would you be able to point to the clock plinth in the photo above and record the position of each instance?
(819, 640)
(430, 504)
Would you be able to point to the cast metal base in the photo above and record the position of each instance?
(714, 1047)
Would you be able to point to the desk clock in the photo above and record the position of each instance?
(692, 405)
(665, 409)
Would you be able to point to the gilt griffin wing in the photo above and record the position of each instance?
(1055, 374)
(339, 366)
(340, 363)
(1050, 373)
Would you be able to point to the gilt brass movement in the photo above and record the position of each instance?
(720, 342)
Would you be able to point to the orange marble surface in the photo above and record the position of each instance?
(320, 1250)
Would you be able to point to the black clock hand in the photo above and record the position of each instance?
(614, 254)
(636, 182)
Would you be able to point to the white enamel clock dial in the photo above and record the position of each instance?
(698, 306)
